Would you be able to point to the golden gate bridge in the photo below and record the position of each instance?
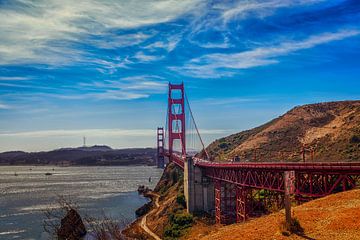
(236, 191)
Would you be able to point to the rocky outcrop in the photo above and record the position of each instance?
(72, 227)
(143, 209)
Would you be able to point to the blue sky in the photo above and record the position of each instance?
(100, 68)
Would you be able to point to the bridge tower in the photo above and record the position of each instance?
(176, 118)
(160, 148)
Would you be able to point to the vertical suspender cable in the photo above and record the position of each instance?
(197, 130)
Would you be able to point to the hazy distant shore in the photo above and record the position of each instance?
(82, 156)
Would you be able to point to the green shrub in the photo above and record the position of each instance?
(180, 199)
(174, 176)
(178, 222)
(172, 231)
(183, 219)
(223, 145)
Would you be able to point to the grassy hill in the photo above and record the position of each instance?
(333, 217)
(331, 130)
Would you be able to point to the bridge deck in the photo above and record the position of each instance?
(318, 166)
(280, 166)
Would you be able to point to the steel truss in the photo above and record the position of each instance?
(243, 193)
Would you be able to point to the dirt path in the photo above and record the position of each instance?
(143, 224)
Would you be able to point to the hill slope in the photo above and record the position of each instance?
(332, 129)
(333, 217)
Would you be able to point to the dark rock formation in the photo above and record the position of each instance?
(143, 209)
(143, 190)
(72, 226)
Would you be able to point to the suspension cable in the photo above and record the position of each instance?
(197, 130)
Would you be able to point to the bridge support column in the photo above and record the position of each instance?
(198, 190)
(225, 202)
(242, 204)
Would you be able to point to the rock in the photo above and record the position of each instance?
(143, 190)
(143, 209)
(72, 226)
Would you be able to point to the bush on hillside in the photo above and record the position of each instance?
(180, 199)
(178, 222)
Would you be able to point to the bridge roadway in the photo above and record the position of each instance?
(311, 179)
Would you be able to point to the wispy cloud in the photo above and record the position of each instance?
(218, 65)
(142, 57)
(227, 101)
(117, 95)
(112, 41)
(4, 106)
(168, 43)
(110, 66)
(46, 31)
(127, 88)
(113, 132)
(17, 78)
(242, 9)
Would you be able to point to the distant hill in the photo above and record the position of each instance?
(331, 129)
(95, 155)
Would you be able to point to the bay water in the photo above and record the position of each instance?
(27, 191)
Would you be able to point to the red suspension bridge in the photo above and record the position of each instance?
(236, 191)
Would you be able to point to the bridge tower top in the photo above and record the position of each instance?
(176, 117)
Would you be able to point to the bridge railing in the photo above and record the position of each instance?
(320, 166)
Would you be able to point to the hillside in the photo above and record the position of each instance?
(95, 155)
(333, 217)
(169, 220)
(329, 131)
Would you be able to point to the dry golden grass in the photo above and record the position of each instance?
(333, 217)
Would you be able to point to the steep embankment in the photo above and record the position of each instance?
(332, 217)
(168, 218)
(331, 129)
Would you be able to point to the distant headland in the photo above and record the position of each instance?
(87, 156)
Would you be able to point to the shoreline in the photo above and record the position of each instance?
(131, 231)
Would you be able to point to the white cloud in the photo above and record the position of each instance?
(169, 43)
(218, 15)
(111, 41)
(227, 101)
(114, 132)
(14, 78)
(242, 9)
(218, 65)
(118, 95)
(45, 31)
(127, 88)
(141, 57)
(112, 65)
(4, 106)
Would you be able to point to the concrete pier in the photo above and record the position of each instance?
(198, 189)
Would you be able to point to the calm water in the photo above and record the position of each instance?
(97, 190)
